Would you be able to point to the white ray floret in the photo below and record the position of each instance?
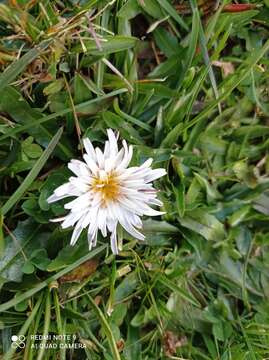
(108, 193)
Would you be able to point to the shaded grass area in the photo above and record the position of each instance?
(187, 84)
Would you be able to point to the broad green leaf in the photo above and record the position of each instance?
(126, 287)
(68, 255)
(18, 248)
(129, 10)
(204, 224)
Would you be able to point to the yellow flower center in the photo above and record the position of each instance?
(107, 186)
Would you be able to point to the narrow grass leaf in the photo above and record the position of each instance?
(172, 12)
(26, 325)
(18, 66)
(16, 300)
(78, 108)
(32, 174)
(107, 329)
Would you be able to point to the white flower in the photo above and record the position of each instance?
(108, 193)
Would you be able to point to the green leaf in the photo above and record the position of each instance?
(18, 66)
(129, 10)
(158, 233)
(152, 8)
(132, 350)
(55, 179)
(204, 224)
(139, 319)
(54, 87)
(32, 209)
(13, 103)
(22, 306)
(178, 290)
(68, 255)
(40, 259)
(62, 112)
(119, 313)
(222, 330)
(31, 150)
(32, 174)
(126, 287)
(118, 123)
(72, 314)
(18, 249)
(43, 284)
(28, 268)
(109, 45)
(172, 12)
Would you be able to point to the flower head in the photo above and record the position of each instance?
(108, 193)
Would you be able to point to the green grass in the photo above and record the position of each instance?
(186, 86)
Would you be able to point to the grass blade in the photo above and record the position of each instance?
(32, 174)
(232, 85)
(7, 305)
(26, 325)
(46, 326)
(107, 329)
(18, 66)
(172, 12)
(61, 113)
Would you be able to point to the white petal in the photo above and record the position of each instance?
(101, 218)
(95, 239)
(79, 168)
(91, 163)
(92, 239)
(135, 220)
(97, 200)
(155, 174)
(80, 184)
(88, 219)
(126, 224)
(62, 192)
(155, 202)
(72, 218)
(136, 184)
(89, 148)
(133, 173)
(128, 153)
(107, 150)
(63, 189)
(130, 205)
(119, 157)
(58, 219)
(80, 202)
(129, 191)
(54, 198)
(113, 242)
(151, 212)
(100, 158)
(76, 233)
(146, 164)
(111, 223)
(113, 145)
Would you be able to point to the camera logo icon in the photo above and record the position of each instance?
(18, 341)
